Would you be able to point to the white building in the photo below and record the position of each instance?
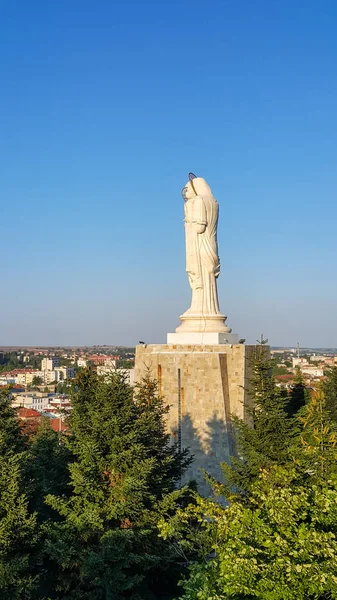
(317, 358)
(105, 370)
(82, 362)
(9, 380)
(34, 400)
(299, 362)
(48, 364)
(62, 373)
(48, 377)
(110, 362)
(312, 371)
(26, 377)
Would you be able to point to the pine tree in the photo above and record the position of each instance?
(299, 395)
(316, 458)
(18, 533)
(46, 469)
(265, 438)
(12, 438)
(107, 545)
(279, 541)
(329, 388)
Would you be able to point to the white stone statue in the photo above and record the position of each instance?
(202, 260)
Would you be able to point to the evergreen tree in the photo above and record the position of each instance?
(18, 533)
(12, 439)
(265, 437)
(46, 469)
(316, 458)
(277, 543)
(299, 395)
(17, 526)
(329, 388)
(107, 545)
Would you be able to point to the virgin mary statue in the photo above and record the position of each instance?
(202, 260)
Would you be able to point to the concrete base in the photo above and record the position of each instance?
(206, 337)
(203, 385)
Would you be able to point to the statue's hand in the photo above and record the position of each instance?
(201, 228)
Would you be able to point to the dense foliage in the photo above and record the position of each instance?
(265, 437)
(330, 391)
(274, 537)
(79, 512)
(97, 513)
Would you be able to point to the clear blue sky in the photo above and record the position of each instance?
(105, 107)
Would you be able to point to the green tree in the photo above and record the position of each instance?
(47, 469)
(329, 388)
(35, 361)
(107, 545)
(17, 526)
(280, 546)
(277, 543)
(10, 362)
(280, 370)
(126, 364)
(265, 437)
(12, 439)
(299, 395)
(18, 533)
(36, 380)
(316, 457)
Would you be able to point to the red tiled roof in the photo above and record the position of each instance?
(15, 372)
(58, 425)
(28, 413)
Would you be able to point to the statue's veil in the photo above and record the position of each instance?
(201, 187)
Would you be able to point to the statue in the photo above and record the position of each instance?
(202, 260)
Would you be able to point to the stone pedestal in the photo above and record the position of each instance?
(202, 338)
(203, 384)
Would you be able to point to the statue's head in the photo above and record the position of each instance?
(188, 191)
(196, 186)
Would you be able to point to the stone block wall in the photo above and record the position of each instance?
(203, 385)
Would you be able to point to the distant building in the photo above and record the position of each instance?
(58, 406)
(31, 400)
(28, 413)
(312, 371)
(25, 377)
(7, 379)
(299, 362)
(101, 359)
(82, 362)
(31, 419)
(48, 364)
(49, 377)
(62, 373)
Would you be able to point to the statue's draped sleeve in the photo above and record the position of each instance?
(199, 211)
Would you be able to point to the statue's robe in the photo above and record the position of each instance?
(202, 260)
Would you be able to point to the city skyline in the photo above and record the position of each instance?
(101, 121)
